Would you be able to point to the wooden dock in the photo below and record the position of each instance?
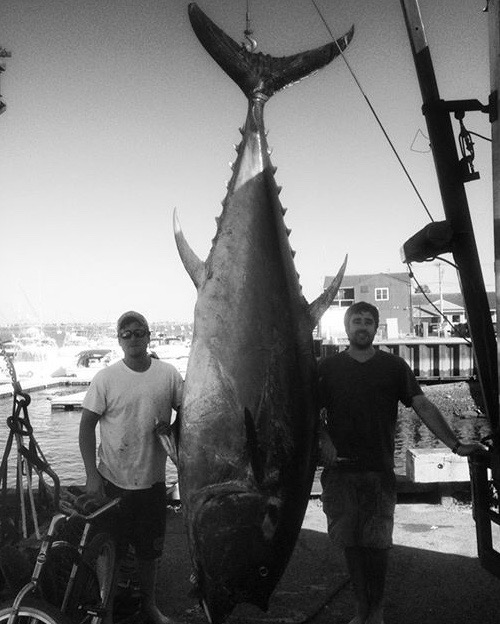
(6, 389)
(431, 359)
(68, 402)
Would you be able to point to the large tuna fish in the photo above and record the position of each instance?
(248, 421)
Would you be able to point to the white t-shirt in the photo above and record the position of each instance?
(130, 404)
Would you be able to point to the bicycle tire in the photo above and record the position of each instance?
(100, 555)
(34, 611)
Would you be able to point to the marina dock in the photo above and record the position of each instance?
(41, 384)
(68, 402)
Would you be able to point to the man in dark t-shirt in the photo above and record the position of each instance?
(360, 390)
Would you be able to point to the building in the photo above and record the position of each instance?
(427, 311)
(389, 292)
(402, 313)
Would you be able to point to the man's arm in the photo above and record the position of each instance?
(327, 450)
(432, 417)
(87, 441)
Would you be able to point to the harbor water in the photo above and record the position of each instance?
(56, 431)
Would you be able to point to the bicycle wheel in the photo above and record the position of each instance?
(85, 594)
(100, 555)
(56, 571)
(34, 611)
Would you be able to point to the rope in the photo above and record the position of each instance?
(29, 458)
(372, 109)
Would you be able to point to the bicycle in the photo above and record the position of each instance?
(87, 568)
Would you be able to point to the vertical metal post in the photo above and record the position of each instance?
(494, 44)
(457, 212)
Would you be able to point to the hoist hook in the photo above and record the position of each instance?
(249, 44)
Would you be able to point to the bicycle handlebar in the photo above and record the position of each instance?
(102, 510)
(69, 510)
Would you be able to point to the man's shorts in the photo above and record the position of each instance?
(359, 506)
(141, 520)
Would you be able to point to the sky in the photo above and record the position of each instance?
(116, 115)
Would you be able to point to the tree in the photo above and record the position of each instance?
(423, 288)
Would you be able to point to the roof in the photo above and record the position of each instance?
(452, 299)
(354, 280)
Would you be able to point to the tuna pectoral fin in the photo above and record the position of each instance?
(256, 456)
(257, 72)
(193, 265)
(319, 306)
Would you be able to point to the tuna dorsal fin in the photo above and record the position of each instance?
(257, 73)
(319, 306)
(256, 458)
(193, 265)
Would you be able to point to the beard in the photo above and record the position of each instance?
(361, 339)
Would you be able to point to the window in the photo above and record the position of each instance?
(344, 298)
(381, 294)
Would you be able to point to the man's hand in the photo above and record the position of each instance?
(165, 433)
(95, 486)
(328, 452)
(468, 448)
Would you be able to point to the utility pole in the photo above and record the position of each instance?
(440, 278)
(412, 323)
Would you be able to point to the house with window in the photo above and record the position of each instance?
(389, 292)
(402, 312)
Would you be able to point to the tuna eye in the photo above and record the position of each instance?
(263, 571)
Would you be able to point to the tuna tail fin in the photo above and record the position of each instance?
(193, 265)
(257, 73)
(319, 306)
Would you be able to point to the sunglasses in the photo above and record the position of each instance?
(137, 333)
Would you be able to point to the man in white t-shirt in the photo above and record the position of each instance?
(129, 400)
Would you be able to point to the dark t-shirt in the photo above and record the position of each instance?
(361, 399)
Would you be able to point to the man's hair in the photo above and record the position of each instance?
(358, 308)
